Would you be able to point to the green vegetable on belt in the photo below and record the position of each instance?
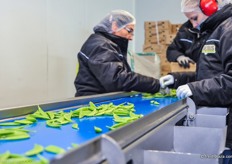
(97, 129)
(154, 102)
(54, 149)
(36, 150)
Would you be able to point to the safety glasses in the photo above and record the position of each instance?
(129, 30)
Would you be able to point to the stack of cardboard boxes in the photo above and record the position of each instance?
(158, 35)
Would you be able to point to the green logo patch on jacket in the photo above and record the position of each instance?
(209, 48)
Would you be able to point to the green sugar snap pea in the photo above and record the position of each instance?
(24, 121)
(97, 129)
(154, 102)
(30, 118)
(9, 124)
(36, 150)
(75, 126)
(13, 134)
(5, 156)
(54, 149)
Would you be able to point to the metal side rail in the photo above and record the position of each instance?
(19, 111)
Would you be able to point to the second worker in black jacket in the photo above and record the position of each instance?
(185, 47)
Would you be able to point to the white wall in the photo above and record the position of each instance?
(39, 40)
(23, 52)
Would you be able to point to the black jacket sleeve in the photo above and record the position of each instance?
(185, 43)
(111, 69)
(181, 78)
(176, 48)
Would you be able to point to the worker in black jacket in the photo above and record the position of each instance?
(185, 47)
(103, 63)
(212, 83)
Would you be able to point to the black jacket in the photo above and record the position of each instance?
(213, 85)
(103, 68)
(187, 42)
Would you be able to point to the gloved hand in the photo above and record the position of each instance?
(183, 91)
(165, 91)
(166, 80)
(184, 61)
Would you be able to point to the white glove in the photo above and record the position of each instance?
(166, 80)
(183, 91)
(184, 61)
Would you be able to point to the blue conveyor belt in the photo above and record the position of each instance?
(66, 135)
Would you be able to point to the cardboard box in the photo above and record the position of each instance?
(175, 28)
(158, 25)
(169, 38)
(175, 67)
(154, 48)
(150, 24)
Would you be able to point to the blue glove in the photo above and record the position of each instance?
(184, 61)
(166, 81)
(183, 91)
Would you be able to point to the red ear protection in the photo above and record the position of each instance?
(208, 7)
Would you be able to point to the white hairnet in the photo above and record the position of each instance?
(193, 5)
(121, 17)
(190, 6)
